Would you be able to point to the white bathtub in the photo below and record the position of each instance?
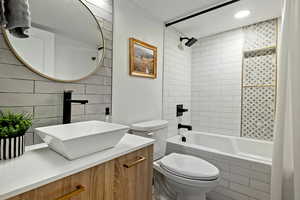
(243, 148)
(245, 164)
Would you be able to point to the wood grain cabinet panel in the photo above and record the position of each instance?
(113, 180)
(134, 182)
(94, 181)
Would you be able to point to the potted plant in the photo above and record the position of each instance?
(13, 127)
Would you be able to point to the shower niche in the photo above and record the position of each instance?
(259, 78)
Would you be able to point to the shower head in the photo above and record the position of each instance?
(190, 41)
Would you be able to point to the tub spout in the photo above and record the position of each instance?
(188, 127)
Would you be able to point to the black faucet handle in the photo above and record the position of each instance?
(183, 109)
(180, 110)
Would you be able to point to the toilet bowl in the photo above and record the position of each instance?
(189, 177)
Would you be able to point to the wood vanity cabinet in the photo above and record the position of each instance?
(128, 177)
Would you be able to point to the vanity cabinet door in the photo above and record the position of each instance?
(133, 175)
(77, 186)
(92, 184)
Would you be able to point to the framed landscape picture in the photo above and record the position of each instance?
(143, 59)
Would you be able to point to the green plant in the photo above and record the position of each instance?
(14, 124)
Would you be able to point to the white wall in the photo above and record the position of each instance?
(42, 46)
(177, 80)
(216, 83)
(135, 99)
(74, 54)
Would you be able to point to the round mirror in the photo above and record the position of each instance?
(65, 41)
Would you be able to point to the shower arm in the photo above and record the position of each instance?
(184, 38)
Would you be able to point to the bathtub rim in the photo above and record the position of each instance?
(176, 140)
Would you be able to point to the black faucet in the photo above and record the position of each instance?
(180, 110)
(68, 106)
(188, 127)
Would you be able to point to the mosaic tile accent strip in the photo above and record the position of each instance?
(260, 70)
(258, 112)
(259, 80)
(261, 35)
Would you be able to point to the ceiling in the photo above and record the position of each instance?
(213, 22)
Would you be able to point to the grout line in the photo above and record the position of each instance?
(34, 84)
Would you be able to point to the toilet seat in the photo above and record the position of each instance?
(189, 167)
(185, 181)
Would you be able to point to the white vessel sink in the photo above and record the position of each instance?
(83, 138)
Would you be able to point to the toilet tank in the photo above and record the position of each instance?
(156, 129)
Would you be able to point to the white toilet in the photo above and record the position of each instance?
(189, 176)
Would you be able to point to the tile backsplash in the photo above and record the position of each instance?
(259, 80)
(234, 82)
(216, 83)
(24, 91)
(177, 80)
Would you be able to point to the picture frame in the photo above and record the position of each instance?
(143, 59)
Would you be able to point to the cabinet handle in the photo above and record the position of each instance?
(139, 160)
(78, 190)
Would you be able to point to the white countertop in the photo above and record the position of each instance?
(40, 165)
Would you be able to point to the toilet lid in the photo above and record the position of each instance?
(149, 125)
(189, 167)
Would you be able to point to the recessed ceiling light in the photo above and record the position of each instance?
(242, 14)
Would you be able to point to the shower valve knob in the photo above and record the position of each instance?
(180, 110)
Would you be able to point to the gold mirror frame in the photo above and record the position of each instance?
(5, 36)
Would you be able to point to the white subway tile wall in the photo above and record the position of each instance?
(216, 83)
(177, 80)
(24, 91)
(216, 77)
(240, 179)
